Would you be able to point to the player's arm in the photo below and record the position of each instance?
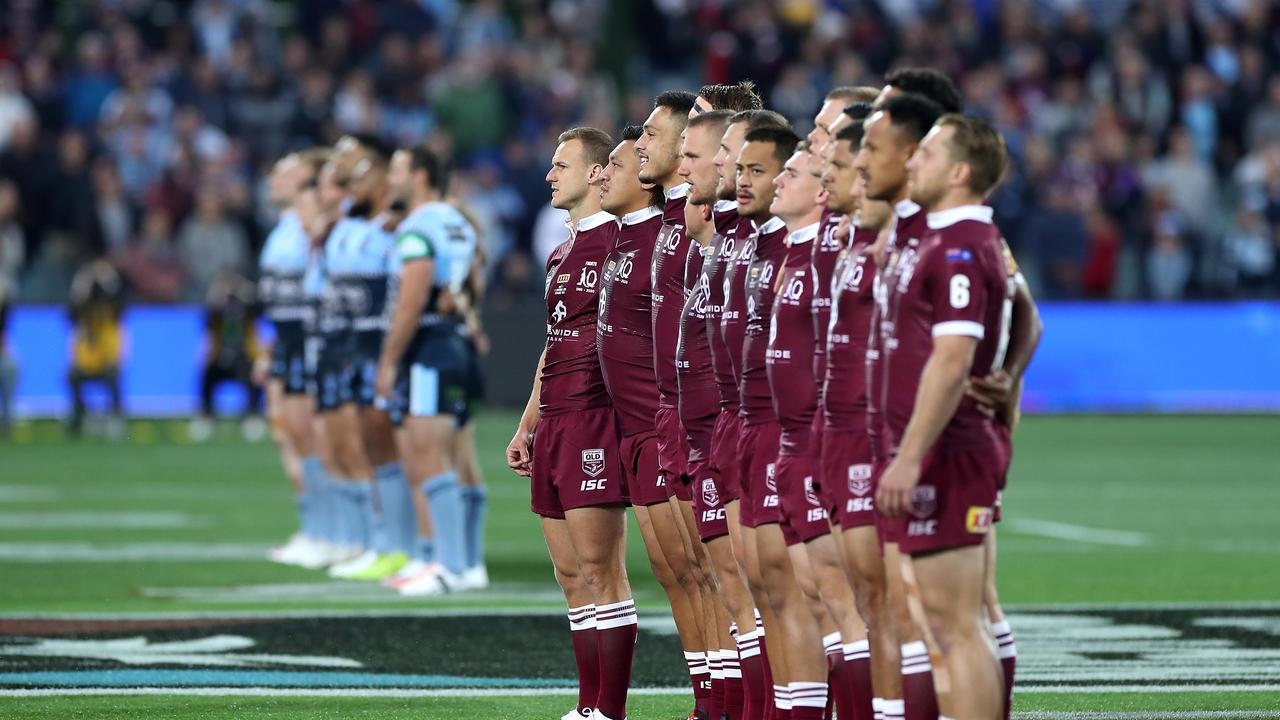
(519, 449)
(942, 386)
(411, 299)
(1000, 392)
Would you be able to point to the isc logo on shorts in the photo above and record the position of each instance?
(916, 528)
(593, 461)
(596, 484)
(859, 504)
(712, 515)
(978, 519)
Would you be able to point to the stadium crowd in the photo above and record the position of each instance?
(1145, 134)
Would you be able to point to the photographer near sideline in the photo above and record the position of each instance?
(231, 350)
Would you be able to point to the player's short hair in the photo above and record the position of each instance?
(313, 159)
(631, 133)
(438, 169)
(857, 112)
(373, 146)
(930, 83)
(912, 114)
(850, 94)
(976, 142)
(759, 118)
(716, 120)
(783, 138)
(596, 143)
(677, 101)
(735, 98)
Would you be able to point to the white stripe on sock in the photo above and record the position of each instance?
(1001, 628)
(582, 618)
(877, 708)
(781, 697)
(912, 649)
(857, 650)
(808, 694)
(893, 709)
(832, 642)
(1007, 651)
(697, 662)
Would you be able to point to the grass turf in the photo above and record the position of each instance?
(1193, 497)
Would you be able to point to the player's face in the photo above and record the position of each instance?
(698, 164)
(367, 179)
(931, 169)
(400, 176)
(346, 153)
(284, 179)
(568, 175)
(726, 156)
(755, 170)
(885, 163)
(820, 136)
(620, 188)
(840, 178)
(307, 205)
(332, 190)
(796, 188)
(659, 146)
(872, 213)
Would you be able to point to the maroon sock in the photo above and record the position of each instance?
(715, 701)
(770, 706)
(1008, 660)
(808, 700)
(699, 679)
(857, 679)
(835, 673)
(755, 687)
(586, 651)
(917, 683)
(734, 696)
(616, 624)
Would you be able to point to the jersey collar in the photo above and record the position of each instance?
(774, 224)
(803, 235)
(594, 221)
(906, 208)
(947, 218)
(639, 216)
(725, 205)
(678, 191)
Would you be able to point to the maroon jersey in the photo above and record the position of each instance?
(733, 317)
(670, 252)
(789, 359)
(715, 268)
(759, 287)
(956, 281)
(826, 252)
(571, 376)
(699, 397)
(852, 303)
(909, 227)
(624, 331)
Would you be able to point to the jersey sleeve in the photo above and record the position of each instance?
(957, 291)
(415, 244)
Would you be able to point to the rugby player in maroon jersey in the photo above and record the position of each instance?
(659, 151)
(625, 342)
(890, 135)
(700, 400)
(567, 439)
(735, 240)
(846, 453)
(948, 320)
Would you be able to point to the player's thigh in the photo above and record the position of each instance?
(428, 439)
(597, 532)
(464, 444)
(652, 546)
(379, 435)
(804, 569)
(560, 547)
(950, 583)
(862, 551)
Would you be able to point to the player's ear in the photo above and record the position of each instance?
(594, 174)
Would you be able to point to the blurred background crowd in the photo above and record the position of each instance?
(1146, 133)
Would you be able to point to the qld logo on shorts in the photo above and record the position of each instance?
(860, 479)
(710, 495)
(924, 501)
(810, 494)
(593, 461)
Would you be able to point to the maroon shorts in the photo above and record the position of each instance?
(673, 453)
(846, 477)
(804, 515)
(576, 462)
(758, 449)
(708, 505)
(726, 462)
(954, 503)
(816, 442)
(887, 529)
(640, 468)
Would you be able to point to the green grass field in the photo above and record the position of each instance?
(1141, 557)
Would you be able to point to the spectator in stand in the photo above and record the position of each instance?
(210, 243)
(150, 263)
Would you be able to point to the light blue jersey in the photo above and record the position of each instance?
(282, 267)
(360, 257)
(437, 231)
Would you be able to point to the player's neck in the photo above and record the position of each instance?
(799, 222)
(424, 198)
(671, 181)
(632, 207)
(589, 206)
(954, 199)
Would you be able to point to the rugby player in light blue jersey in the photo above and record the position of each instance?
(424, 367)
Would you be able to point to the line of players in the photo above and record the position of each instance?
(799, 362)
(372, 280)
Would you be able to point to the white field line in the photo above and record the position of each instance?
(28, 493)
(1076, 533)
(91, 519)
(83, 552)
(566, 691)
